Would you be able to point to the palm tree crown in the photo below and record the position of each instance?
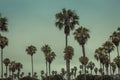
(3, 41)
(31, 50)
(81, 35)
(3, 24)
(68, 19)
(69, 52)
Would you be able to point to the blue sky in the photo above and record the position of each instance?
(33, 22)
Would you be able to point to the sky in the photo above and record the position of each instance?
(32, 22)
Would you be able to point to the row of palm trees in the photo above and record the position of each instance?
(68, 19)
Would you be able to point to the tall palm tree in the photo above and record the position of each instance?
(19, 66)
(81, 35)
(30, 51)
(109, 47)
(3, 24)
(3, 43)
(46, 50)
(67, 19)
(50, 58)
(69, 52)
(6, 62)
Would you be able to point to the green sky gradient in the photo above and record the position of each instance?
(33, 22)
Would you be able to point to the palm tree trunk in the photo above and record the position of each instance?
(46, 68)
(6, 72)
(110, 65)
(117, 50)
(32, 64)
(2, 64)
(91, 71)
(67, 61)
(49, 69)
(83, 50)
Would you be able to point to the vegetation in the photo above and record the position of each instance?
(66, 19)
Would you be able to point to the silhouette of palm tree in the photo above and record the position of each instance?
(6, 62)
(30, 51)
(67, 19)
(3, 43)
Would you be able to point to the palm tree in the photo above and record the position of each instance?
(96, 70)
(19, 66)
(63, 72)
(81, 35)
(109, 47)
(3, 43)
(69, 52)
(116, 40)
(6, 62)
(113, 65)
(50, 58)
(84, 61)
(30, 51)
(13, 68)
(117, 62)
(46, 50)
(67, 19)
(3, 24)
(75, 69)
(91, 65)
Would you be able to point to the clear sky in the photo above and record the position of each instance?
(33, 22)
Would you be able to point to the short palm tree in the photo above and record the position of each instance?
(109, 47)
(63, 72)
(113, 65)
(30, 51)
(75, 69)
(91, 66)
(46, 50)
(6, 62)
(19, 66)
(50, 58)
(117, 62)
(67, 19)
(3, 24)
(13, 68)
(96, 70)
(69, 52)
(3, 43)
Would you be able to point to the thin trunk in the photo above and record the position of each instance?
(46, 68)
(6, 72)
(106, 70)
(103, 70)
(117, 50)
(110, 65)
(12, 75)
(1, 64)
(32, 64)
(85, 72)
(67, 61)
(49, 68)
(91, 71)
(83, 50)
(68, 69)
